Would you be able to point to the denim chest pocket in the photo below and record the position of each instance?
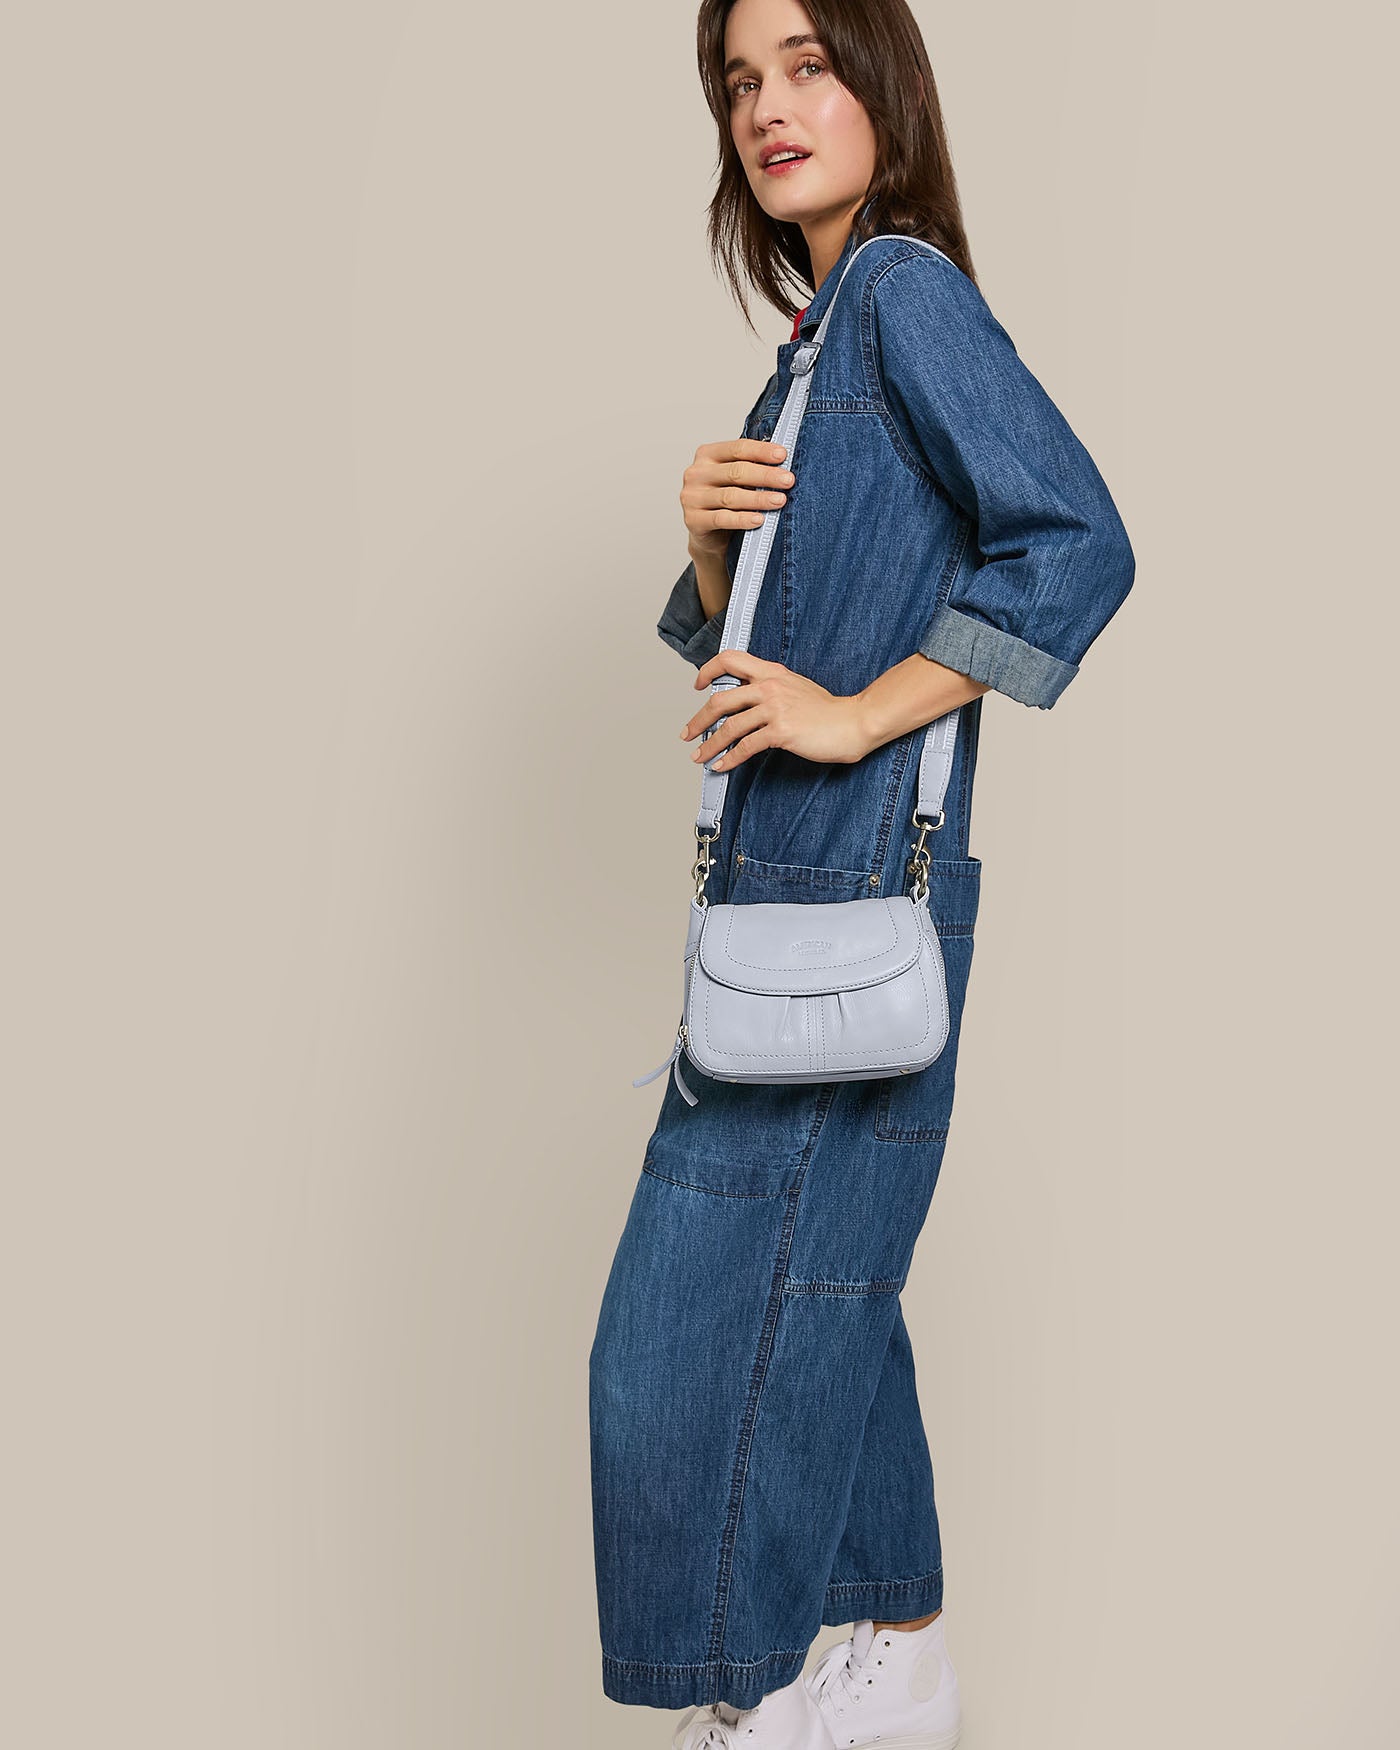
(822, 830)
(757, 882)
(919, 1108)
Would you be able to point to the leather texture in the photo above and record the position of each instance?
(776, 949)
(814, 993)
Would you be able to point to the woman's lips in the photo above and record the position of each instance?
(784, 165)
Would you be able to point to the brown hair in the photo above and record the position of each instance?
(878, 54)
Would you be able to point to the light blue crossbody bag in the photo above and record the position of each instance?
(821, 992)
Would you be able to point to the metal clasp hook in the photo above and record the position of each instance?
(919, 863)
(704, 862)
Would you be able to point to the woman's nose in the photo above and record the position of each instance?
(768, 109)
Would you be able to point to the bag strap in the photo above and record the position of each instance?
(936, 759)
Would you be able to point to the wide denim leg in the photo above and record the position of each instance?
(759, 1461)
(680, 1373)
(890, 1562)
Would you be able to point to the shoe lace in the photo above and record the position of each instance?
(706, 1729)
(838, 1675)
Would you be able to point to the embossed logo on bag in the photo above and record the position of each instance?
(810, 946)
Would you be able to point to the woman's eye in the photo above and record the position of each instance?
(738, 87)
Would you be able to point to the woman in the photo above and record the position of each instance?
(759, 1459)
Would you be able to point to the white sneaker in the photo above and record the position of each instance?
(896, 1688)
(786, 1719)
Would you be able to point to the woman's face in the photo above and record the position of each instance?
(782, 93)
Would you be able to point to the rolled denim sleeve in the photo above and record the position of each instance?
(683, 624)
(1055, 560)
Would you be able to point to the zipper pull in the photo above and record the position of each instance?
(661, 1068)
(685, 1093)
(673, 1060)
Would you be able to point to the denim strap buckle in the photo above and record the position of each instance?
(805, 357)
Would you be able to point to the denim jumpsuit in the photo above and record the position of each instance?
(759, 1462)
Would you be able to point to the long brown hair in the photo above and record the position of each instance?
(878, 54)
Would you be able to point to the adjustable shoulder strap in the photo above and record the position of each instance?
(936, 760)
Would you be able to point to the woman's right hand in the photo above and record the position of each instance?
(729, 486)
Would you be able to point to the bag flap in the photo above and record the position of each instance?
(778, 949)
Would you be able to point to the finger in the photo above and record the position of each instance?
(762, 450)
(741, 473)
(722, 738)
(697, 499)
(705, 522)
(745, 748)
(720, 705)
(734, 471)
(733, 496)
(742, 664)
(713, 501)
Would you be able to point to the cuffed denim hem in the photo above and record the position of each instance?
(998, 659)
(742, 1685)
(683, 624)
(883, 1600)
(745, 1684)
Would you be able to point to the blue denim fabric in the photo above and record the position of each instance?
(941, 483)
(759, 1462)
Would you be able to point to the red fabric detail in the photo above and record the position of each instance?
(797, 319)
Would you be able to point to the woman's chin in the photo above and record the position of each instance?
(789, 208)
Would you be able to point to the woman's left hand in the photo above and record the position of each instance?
(773, 707)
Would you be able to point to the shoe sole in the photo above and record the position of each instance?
(916, 1741)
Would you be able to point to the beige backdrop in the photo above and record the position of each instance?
(354, 354)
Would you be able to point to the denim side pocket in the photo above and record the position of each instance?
(918, 1108)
